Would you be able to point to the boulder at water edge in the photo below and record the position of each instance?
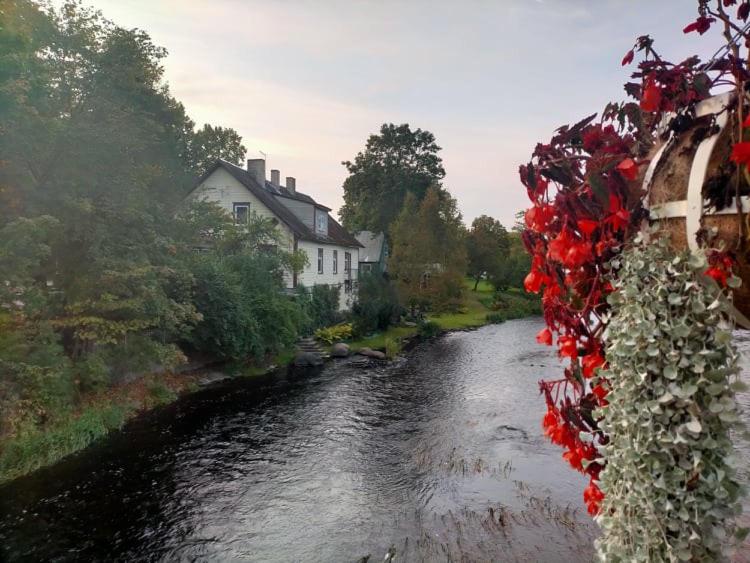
(307, 359)
(340, 350)
(370, 353)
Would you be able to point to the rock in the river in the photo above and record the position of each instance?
(307, 359)
(212, 377)
(370, 353)
(340, 350)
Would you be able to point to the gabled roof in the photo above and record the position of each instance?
(372, 243)
(336, 233)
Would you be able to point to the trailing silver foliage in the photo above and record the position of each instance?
(670, 485)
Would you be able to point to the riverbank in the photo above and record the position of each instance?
(482, 307)
(105, 412)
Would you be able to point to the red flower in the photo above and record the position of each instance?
(593, 496)
(549, 420)
(700, 25)
(628, 168)
(559, 246)
(587, 226)
(544, 336)
(718, 274)
(577, 255)
(568, 347)
(600, 392)
(533, 281)
(590, 363)
(741, 153)
(628, 58)
(746, 123)
(651, 96)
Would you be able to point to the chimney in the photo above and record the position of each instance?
(257, 169)
(291, 184)
(275, 177)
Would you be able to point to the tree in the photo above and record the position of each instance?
(210, 143)
(514, 266)
(396, 162)
(428, 257)
(486, 247)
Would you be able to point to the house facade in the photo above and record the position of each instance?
(373, 256)
(303, 223)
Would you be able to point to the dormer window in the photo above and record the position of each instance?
(321, 222)
(241, 212)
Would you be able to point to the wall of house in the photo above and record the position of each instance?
(310, 275)
(303, 211)
(221, 187)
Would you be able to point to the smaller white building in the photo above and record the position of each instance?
(303, 223)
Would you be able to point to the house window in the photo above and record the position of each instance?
(347, 262)
(241, 212)
(320, 260)
(335, 261)
(321, 222)
(366, 268)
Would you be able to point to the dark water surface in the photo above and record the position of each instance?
(439, 456)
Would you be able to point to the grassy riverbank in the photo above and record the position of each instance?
(481, 307)
(103, 413)
(110, 410)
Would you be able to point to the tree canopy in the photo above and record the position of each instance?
(487, 247)
(396, 162)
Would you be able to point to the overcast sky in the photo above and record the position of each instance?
(307, 81)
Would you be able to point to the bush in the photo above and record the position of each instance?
(334, 333)
(392, 347)
(428, 329)
(245, 314)
(495, 318)
(320, 304)
(377, 306)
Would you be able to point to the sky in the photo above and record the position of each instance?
(307, 81)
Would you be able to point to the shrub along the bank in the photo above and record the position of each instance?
(377, 307)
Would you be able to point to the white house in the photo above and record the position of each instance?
(304, 224)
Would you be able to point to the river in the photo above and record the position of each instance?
(438, 456)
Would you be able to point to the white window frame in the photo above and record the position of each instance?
(347, 262)
(241, 205)
(320, 260)
(335, 261)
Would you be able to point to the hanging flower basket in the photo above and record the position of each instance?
(693, 187)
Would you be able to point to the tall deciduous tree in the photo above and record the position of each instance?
(487, 247)
(428, 257)
(396, 162)
(210, 143)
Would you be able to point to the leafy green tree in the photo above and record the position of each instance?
(486, 247)
(396, 162)
(210, 143)
(515, 266)
(428, 256)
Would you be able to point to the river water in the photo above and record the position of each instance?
(437, 457)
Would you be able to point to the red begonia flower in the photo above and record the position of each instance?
(587, 226)
(568, 347)
(628, 58)
(628, 168)
(651, 97)
(741, 153)
(544, 336)
(590, 363)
